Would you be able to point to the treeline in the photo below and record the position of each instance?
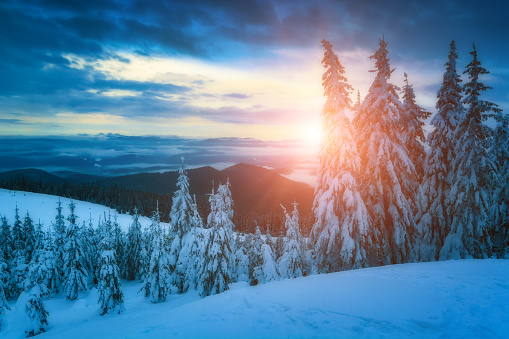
(125, 201)
(118, 198)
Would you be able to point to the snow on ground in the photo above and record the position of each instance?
(43, 207)
(453, 299)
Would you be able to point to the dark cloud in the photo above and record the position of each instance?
(238, 96)
(12, 121)
(35, 35)
(204, 28)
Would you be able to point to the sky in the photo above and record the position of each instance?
(228, 68)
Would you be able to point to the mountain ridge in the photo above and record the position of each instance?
(255, 190)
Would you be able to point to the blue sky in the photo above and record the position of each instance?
(221, 68)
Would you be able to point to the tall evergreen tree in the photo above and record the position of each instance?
(18, 264)
(291, 261)
(473, 173)
(341, 219)
(134, 247)
(388, 172)
(4, 277)
(254, 247)
(111, 298)
(182, 223)
(36, 312)
(269, 268)
(29, 237)
(216, 274)
(433, 217)
(412, 129)
(241, 262)
(41, 269)
(17, 233)
(197, 220)
(358, 103)
(157, 282)
(53, 282)
(59, 241)
(6, 257)
(499, 153)
(90, 244)
(5, 240)
(76, 275)
(94, 239)
(198, 240)
(119, 246)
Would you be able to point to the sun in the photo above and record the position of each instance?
(312, 134)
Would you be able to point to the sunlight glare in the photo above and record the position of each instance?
(312, 134)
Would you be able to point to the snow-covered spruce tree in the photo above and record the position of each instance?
(29, 237)
(269, 270)
(18, 265)
(53, 281)
(200, 238)
(41, 269)
(290, 263)
(37, 314)
(182, 224)
(499, 153)
(146, 250)
(279, 247)
(254, 250)
(91, 241)
(197, 221)
(157, 282)
(153, 229)
(358, 103)
(134, 247)
(388, 172)
(5, 240)
(218, 261)
(75, 273)
(39, 282)
(4, 277)
(196, 254)
(39, 236)
(104, 226)
(6, 254)
(341, 219)
(241, 262)
(433, 219)
(474, 174)
(111, 298)
(59, 241)
(412, 129)
(119, 245)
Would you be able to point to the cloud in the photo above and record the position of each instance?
(238, 95)
(227, 61)
(114, 154)
(12, 121)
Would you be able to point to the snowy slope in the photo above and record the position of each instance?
(43, 207)
(455, 299)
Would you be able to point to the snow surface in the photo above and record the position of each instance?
(455, 299)
(43, 207)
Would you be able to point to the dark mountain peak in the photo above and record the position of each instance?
(31, 174)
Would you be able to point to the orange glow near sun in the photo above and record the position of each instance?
(312, 134)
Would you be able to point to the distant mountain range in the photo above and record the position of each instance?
(254, 189)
